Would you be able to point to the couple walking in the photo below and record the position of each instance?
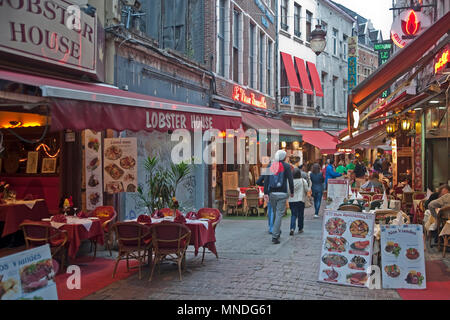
(281, 183)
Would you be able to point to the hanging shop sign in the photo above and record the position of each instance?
(93, 169)
(407, 26)
(402, 257)
(352, 73)
(53, 32)
(384, 50)
(347, 245)
(120, 165)
(28, 275)
(442, 62)
(239, 94)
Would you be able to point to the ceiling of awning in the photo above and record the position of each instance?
(370, 134)
(405, 59)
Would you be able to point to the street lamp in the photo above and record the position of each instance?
(318, 40)
(406, 124)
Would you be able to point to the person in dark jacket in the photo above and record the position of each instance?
(360, 170)
(278, 195)
(317, 181)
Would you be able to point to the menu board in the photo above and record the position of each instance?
(347, 245)
(120, 165)
(402, 257)
(28, 275)
(337, 191)
(93, 169)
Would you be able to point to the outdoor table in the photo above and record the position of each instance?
(202, 233)
(13, 214)
(77, 232)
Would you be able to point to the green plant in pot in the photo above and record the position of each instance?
(161, 183)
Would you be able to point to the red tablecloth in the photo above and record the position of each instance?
(77, 233)
(14, 214)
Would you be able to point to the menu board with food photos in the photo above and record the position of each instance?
(120, 165)
(347, 245)
(402, 257)
(93, 169)
(28, 275)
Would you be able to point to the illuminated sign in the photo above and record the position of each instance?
(239, 94)
(352, 74)
(384, 53)
(442, 61)
(407, 26)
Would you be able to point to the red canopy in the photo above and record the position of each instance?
(306, 85)
(78, 106)
(315, 78)
(290, 72)
(320, 139)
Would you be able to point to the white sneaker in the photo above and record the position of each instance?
(316, 216)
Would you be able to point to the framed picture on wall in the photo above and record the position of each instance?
(48, 165)
(32, 161)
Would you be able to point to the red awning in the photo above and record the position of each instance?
(78, 106)
(389, 106)
(290, 72)
(301, 68)
(315, 78)
(366, 135)
(401, 102)
(320, 139)
(372, 87)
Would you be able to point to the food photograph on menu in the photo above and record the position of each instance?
(120, 170)
(93, 169)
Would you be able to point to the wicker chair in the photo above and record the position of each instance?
(231, 200)
(132, 239)
(350, 207)
(107, 215)
(38, 233)
(212, 214)
(252, 197)
(169, 240)
(385, 216)
(377, 196)
(443, 216)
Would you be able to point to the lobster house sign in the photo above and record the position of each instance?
(52, 33)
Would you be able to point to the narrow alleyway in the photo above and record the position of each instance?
(250, 267)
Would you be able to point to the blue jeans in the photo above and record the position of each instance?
(317, 195)
(270, 217)
(297, 213)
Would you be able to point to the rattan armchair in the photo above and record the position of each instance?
(231, 201)
(350, 207)
(252, 197)
(107, 215)
(134, 242)
(169, 240)
(215, 216)
(40, 233)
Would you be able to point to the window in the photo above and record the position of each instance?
(284, 86)
(284, 14)
(236, 34)
(308, 25)
(269, 67)
(344, 47)
(260, 62)
(297, 15)
(324, 87)
(334, 36)
(221, 38)
(334, 94)
(252, 56)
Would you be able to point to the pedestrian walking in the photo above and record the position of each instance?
(317, 181)
(297, 201)
(276, 190)
(330, 172)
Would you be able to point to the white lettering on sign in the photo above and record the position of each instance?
(201, 122)
(161, 120)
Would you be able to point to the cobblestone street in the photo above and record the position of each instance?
(250, 267)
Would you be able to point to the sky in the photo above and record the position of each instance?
(376, 10)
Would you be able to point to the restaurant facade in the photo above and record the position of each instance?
(63, 82)
(413, 119)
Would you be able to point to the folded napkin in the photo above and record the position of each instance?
(384, 205)
(159, 214)
(180, 219)
(59, 218)
(191, 215)
(143, 218)
(429, 193)
(407, 188)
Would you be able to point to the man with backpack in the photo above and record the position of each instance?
(276, 190)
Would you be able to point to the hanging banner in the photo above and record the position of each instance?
(120, 165)
(347, 245)
(402, 257)
(28, 275)
(337, 191)
(93, 169)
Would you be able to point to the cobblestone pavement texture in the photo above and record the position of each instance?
(249, 267)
